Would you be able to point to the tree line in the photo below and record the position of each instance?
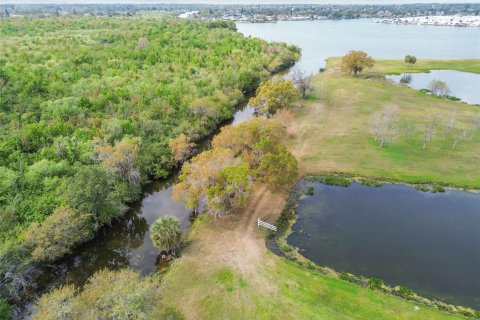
(92, 108)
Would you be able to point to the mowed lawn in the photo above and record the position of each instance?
(332, 132)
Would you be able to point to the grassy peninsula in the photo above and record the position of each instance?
(332, 132)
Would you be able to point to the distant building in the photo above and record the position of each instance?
(189, 15)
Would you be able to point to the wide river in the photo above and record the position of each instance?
(322, 39)
(127, 243)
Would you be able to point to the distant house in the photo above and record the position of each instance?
(189, 15)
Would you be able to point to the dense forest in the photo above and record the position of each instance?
(92, 108)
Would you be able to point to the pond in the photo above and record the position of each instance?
(428, 242)
(463, 85)
(328, 38)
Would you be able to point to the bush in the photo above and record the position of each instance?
(108, 294)
(56, 236)
(438, 189)
(5, 310)
(375, 283)
(337, 181)
(310, 191)
(422, 187)
(346, 276)
(370, 182)
(404, 291)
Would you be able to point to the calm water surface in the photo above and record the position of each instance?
(425, 241)
(322, 39)
(463, 85)
(126, 243)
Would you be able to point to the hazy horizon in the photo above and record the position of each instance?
(224, 2)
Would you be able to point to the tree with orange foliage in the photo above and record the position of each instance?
(355, 61)
(181, 148)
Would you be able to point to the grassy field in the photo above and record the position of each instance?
(385, 66)
(333, 131)
(228, 273)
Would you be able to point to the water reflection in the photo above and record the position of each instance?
(425, 241)
(333, 38)
(127, 243)
(463, 85)
(406, 78)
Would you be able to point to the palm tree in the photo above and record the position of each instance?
(165, 233)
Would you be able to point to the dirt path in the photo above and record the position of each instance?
(231, 243)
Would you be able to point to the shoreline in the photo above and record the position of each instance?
(443, 21)
(277, 243)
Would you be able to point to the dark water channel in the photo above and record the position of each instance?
(126, 243)
(428, 242)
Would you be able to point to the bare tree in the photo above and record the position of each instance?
(439, 88)
(302, 81)
(476, 125)
(383, 126)
(429, 131)
(461, 136)
(407, 129)
(449, 123)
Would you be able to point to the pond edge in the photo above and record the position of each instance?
(277, 243)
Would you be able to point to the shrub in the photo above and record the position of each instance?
(56, 236)
(346, 276)
(422, 187)
(5, 310)
(375, 283)
(370, 182)
(337, 181)
(438, 189)
(57, 304)
(108, 294)
(310, 191)
(404, 291)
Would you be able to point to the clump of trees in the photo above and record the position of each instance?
(165, 233)
(182, 148)
(356, 61)
(221, 178)
(273, 95)
(386, 128)
(63, 229)
(410, 61)
(85, 122)
(107, 294)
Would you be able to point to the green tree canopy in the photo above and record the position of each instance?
(165, 233)
(273, 95)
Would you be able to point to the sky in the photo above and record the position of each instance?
(245, 1)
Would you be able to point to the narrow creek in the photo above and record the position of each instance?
(126, 243)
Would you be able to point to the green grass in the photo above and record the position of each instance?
(389, 66)
(277, 289)
(335, 132)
